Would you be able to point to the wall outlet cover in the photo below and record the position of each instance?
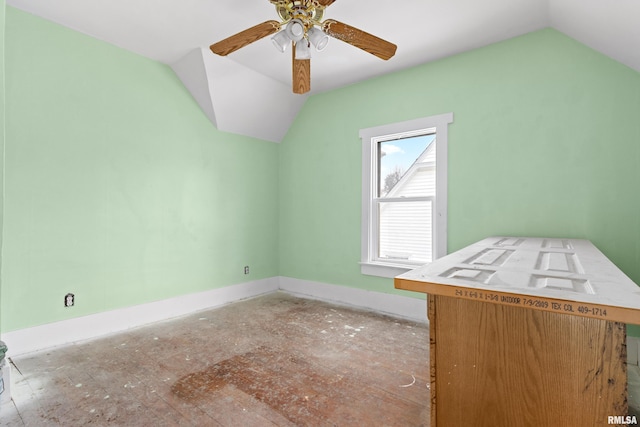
(69, 300)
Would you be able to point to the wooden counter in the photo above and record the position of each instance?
(526, 331)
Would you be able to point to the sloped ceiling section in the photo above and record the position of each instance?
(610, 27)
(193, 74)
(249, 91)
(236, 98)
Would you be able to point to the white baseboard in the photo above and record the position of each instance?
(70, 331)
(395, 305)
(86, 327)
(633, 350)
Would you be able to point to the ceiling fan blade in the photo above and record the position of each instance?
(360, 39)
(244, 38)
(325, 3)
(301, 80)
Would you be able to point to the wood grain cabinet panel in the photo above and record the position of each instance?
(526, 332)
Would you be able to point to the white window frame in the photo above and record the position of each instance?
(370, 137)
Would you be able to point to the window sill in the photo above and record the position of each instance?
(384, 269)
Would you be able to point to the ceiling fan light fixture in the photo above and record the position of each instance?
(281, 40)
(302, 25)
(318, 38)
(295, 30)
(302, 49)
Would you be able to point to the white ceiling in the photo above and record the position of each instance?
(170, 31)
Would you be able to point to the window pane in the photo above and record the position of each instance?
(407, 167)
(405, 231)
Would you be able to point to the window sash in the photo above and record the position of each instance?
(376, 234)
(437, 124)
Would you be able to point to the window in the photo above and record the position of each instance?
(404, 195)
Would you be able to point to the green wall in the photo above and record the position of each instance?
(2, 132)
(545, 142)
(118, 188)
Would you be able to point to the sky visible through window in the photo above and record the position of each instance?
(397, 156)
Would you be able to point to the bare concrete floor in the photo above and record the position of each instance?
(274, 360)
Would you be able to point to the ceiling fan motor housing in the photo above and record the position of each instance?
(310, 13)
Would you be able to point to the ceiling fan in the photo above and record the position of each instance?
(302, 26)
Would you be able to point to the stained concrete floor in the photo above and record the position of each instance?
(275, 360)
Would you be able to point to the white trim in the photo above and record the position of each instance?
(70, 331)
(404, 199)
(369, 136)
(86, 327)
(383, 269)
(442, 162)
(395, 305)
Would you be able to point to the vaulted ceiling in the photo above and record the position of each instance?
(249, 91)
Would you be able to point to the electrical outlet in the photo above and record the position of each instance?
(69, 300)
(246, 269)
